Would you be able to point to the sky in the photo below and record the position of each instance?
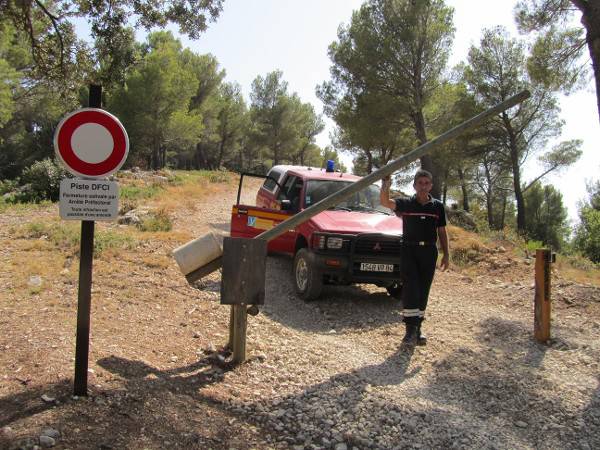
(255, 37)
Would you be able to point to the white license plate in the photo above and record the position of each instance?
(370, 267)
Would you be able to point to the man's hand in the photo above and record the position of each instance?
(384, 194)
(445, 263)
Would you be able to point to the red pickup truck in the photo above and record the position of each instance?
(357, 241)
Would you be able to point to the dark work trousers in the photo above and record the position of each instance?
(418, 267)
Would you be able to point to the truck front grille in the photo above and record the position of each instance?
(377, 245)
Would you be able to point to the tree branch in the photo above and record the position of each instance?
(54, 19)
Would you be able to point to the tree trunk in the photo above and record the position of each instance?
(503, 216)
(444, 193)
(463, 187)
(221, 151)
(516, 170)
(155, 154)
(202, 162)
(591, 22)
(489, 199)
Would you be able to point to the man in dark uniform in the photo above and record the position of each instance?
(424, 221)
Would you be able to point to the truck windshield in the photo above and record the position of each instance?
(365, 200)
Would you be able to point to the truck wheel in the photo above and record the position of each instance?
(307, 279)
(395, 290)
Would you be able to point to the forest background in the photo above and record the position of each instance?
(390, 89)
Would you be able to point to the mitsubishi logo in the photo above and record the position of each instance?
(377, 246)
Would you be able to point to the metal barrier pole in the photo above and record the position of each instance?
(390, 168)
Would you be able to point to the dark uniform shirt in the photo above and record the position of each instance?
(420, 222)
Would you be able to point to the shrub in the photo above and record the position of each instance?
(7, 186)
(587, 234)
(41, 181)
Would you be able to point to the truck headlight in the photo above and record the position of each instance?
(334, 243)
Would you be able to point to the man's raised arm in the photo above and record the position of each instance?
(384, 194)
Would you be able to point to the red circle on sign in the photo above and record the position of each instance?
(64, 149)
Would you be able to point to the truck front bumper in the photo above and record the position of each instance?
(346, 269)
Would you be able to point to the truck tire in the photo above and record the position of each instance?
(395, 290)
(307, 278)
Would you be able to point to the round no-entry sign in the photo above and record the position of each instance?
(91, 143)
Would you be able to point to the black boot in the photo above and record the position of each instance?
(410, 338)
(420, 337)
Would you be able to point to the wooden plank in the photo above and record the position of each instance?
(542, 308)
(207, 269)
(244, 267)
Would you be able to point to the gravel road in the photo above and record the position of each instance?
(332, 373)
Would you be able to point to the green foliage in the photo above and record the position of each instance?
(282, 127)
(9, 77)
(531, 246)
(386, 65)
(594, 194)
(133, 193)
(41, 181)
(547, 218)
(7, 186)
(496, 70)
(587, 233)
(558, 55)
(161, 121)
(156, 221)
(49, 27)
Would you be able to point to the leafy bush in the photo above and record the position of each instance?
(7, 186)
(41, 181)
(587, 234)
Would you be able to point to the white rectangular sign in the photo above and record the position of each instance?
(88, 199)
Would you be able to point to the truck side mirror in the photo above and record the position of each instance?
(286, 205)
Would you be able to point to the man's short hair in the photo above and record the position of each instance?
(422, 173)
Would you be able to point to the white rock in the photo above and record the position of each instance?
(47, 441)
(34, 281)
(46, 398)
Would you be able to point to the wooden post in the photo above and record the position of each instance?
(542, 308)
(231, 328)
(239, 334)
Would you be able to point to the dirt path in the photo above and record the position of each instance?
(327, 374)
